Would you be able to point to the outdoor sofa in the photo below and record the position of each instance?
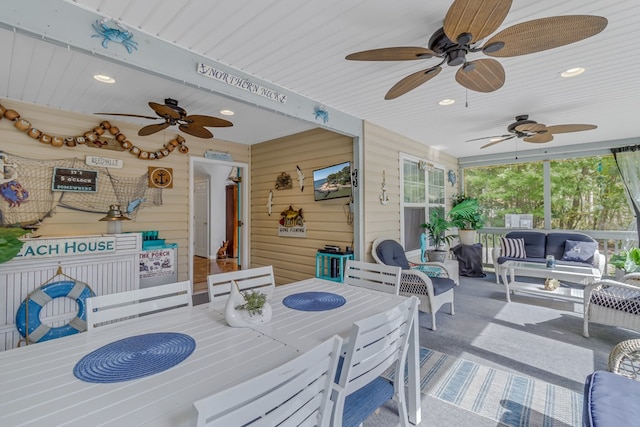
(568, 248)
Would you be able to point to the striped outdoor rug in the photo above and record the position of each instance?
(511, 399)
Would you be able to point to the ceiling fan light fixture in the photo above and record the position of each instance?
(227, 112)
(447, 101)
(572, 72)
(103, 78)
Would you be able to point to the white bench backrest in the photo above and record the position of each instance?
(125, 305)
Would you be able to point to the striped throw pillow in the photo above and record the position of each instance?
(513, 248)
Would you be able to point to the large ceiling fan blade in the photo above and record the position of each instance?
(497, 141)
(392, 54)
(128, 115)
(481, 75)
(489, 137)
(478, 18)
(546, 33)
(209, 121)
(570, 128)
(150, 129)
(164, 111)
(195, 130)
(411, 82)
(539, 138)
(532, 127)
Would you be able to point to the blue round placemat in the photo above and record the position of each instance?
(134, 357)
(314, 301)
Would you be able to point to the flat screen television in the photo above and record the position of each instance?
(332, 182)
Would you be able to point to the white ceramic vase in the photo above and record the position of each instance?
(241, 318)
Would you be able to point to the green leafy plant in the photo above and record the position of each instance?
(465, 213)
(628, 261)
(10, 244)
(437, 227)
(254, 302)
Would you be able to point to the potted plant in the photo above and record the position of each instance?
(247, 308)
(626, 262)
(10, 244)
(465, 215)
(436, 230)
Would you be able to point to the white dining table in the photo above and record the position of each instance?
(38, 387)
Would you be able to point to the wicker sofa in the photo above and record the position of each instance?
(538, 244)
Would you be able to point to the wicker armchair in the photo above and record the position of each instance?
(613, 303)
(431, 282)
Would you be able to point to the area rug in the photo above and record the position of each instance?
(511, 399)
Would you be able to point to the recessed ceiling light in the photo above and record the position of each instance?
(572, 72)
(447, 101)
(104, 78)
(227, 112)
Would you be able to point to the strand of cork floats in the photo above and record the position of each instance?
(92, 136)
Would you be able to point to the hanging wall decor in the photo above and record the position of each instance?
(119, 34)
(300, 177)
(292, 223)
(160, 177)
(270, 202)
(93, 136)
(283, 181)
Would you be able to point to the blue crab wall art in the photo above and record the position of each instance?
(118, 35)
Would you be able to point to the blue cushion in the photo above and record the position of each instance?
(610, 400)
(391, 253)
(556, 241)
(579, 251)
(533, 242)
(360, 404)
(442, 285)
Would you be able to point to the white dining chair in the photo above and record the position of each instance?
(379, 277)
(296, 393)
(110, 308)
(259, 278)
(375, 344)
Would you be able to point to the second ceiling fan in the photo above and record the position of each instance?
(466, 23)
(173, 114)
(532, 131)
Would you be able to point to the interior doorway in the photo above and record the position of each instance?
(218, 210)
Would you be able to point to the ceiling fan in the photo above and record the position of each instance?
(468, 22)
(175, 115)
(532, 131)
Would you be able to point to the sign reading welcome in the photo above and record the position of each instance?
(41, 248)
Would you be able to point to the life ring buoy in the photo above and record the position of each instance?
(32, 305)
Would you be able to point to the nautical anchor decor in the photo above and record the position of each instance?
(160, 177)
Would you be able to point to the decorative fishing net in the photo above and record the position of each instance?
(26, 195)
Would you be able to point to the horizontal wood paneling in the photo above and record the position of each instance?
(171, 219)
(382, 150)
(294, 258)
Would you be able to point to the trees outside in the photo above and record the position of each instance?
(586, 193)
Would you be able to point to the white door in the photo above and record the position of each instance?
(201, 217)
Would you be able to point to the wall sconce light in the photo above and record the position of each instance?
(115, 218)
(384, 199)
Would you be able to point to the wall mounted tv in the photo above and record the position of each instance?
(332, 182)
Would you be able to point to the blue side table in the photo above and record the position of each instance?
(331, 266)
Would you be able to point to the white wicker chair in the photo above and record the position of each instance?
(415, 282)
(613, 303)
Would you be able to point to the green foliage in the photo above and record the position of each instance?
(627, 261)
(437, 226)
(10, 244)
(586, 193)
(254, 302)
(342, 177)
(465, 213)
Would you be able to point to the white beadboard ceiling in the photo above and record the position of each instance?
(300, 46)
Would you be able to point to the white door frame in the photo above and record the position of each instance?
(202, 203)
(244, 203)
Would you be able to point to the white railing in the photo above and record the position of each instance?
(609, 241)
